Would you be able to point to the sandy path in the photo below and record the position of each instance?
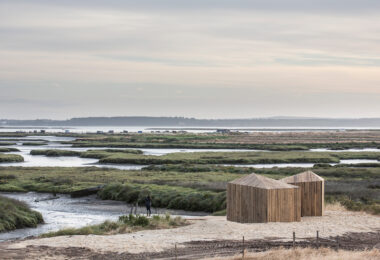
(215, 228)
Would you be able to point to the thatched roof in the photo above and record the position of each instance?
(307, 176)
(262, 182)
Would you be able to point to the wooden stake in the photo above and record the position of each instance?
(337, 243)
(243, 248)
(175, 248)
(317, 239)
(294, 239)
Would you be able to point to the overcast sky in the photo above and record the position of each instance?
(198, 58)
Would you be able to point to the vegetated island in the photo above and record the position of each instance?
(7, 158)
(15, 214)
(114, 156)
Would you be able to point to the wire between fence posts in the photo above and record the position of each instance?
(294, 239)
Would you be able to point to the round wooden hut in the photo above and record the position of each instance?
(312, 192)
(255, 198)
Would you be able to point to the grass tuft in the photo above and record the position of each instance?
(125, 224)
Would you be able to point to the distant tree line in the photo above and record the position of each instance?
(193, 122)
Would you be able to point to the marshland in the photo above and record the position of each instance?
(184, 173)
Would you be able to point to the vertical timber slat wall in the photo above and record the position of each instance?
(256, 199)
(312, 192)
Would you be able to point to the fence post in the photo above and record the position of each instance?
(175, 249)
(317, 239)
(337, 243)
(243, 248)
(294, 239)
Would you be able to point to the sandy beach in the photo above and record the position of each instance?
(209, 228)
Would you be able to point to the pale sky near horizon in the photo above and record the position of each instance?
(199, 58)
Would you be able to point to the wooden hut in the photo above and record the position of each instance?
(255, 198)
(312, 192)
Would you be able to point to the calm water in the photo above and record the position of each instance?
(301, 165)
(67, 212)
(347, 150)
(54, 142)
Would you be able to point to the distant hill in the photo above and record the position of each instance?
(193, 122)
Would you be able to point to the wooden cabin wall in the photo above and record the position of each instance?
(312, 196)
(284, 205)
(247, 204)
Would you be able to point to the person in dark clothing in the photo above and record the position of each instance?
(148, 204)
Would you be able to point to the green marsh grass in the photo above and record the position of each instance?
(189, 187)
(125, 224)
(15, 214)
(6, 143)
(8, 149)
(11, 158)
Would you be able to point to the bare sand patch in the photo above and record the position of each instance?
(334, 223)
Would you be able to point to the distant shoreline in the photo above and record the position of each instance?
(196, 129)
(265, 128)
(182, 122)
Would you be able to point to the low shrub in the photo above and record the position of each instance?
(15, 214)
(133, 220)
(8, 177)
(363, 204)
(163, 196)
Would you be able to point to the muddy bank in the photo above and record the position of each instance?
(67, 212)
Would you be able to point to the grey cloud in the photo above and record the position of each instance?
(190, 58)
(201, 102)
(321, 60)
(276, 5)
(168, 40)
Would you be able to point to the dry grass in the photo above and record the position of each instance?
(335, 206)
(309, 254)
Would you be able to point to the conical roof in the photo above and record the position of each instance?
(307, 176)
(262, 182)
